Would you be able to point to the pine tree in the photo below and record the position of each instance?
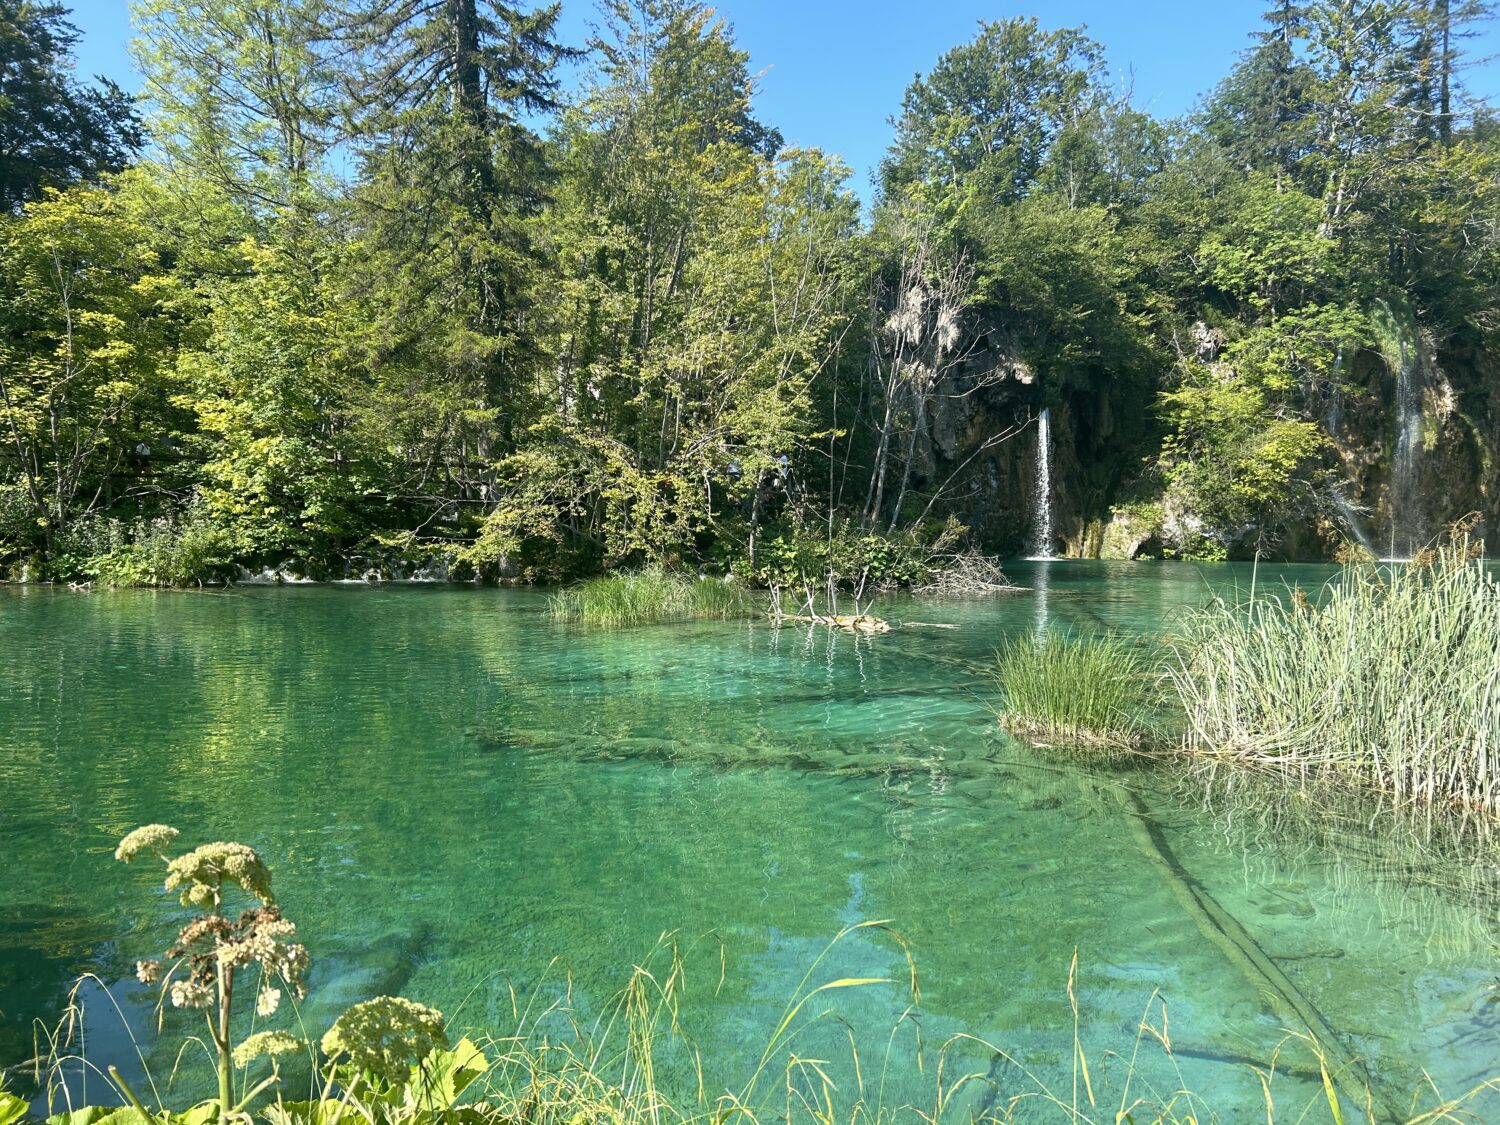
(54, 131)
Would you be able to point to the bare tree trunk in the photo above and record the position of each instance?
(919, 421)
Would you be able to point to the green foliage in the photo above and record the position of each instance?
(1094, 692)
(240, 93)
(12, 1108)
(183, 548)
(278, 470)
(845, 557)
(82, 371)
(1232, 459)
(1065, 276)
(984, 121)
(1270, 251)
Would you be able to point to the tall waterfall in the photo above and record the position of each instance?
(1405, 496)
(1332, 422)
(1041, 499)
(1352, 522)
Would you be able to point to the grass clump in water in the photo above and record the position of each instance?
(1390, 676)
(647, 596)
(1094, 691)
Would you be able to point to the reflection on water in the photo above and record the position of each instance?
(452, 790)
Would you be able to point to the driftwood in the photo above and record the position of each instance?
(853, 622)
(849, 622)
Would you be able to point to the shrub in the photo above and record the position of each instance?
(184, 548)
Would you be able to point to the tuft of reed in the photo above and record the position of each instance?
(647, 596)
(1390, 676)
(1084, 691)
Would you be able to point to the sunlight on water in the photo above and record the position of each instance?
(453, 790)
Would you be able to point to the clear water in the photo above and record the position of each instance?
(453, 791)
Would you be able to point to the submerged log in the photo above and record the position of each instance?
(1244, 952)
(849, 622)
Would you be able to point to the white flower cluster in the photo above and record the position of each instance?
(212, 947)
(154, 838)
(262, 943)
(201, 873)
(266, 1044)
(383, 1037)
(191, 994)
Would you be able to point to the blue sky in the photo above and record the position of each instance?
(834, 70)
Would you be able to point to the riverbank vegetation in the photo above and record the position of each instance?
(390, 1060)
(382, 287)
(1388, 678)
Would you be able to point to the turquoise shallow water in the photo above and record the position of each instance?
(453, 790)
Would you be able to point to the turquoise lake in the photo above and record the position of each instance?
(453, 790)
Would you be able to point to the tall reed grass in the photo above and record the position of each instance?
(648, 596)
(1092, 691)
(1389, 676)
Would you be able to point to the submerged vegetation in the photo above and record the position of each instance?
(360, 280)
(648, 596)
(393, 1061)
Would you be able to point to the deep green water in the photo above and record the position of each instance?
(453, 790)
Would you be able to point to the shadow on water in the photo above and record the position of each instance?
(44, 949)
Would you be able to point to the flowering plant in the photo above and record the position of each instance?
(200, 969)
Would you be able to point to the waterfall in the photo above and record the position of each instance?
(1404, 496)
(1352, 522)
(1332, 422)
(1406, 500)
(1333, 418)
(1041, 526)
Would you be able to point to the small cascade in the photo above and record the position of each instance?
(1352, 522)
(1405, 496)
(1333, 417)
(1332, 422)
(1041, 525)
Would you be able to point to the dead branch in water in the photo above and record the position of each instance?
(850, 622)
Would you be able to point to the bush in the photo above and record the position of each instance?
(185, 549)
(849, 556)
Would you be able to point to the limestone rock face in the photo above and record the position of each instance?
(980, 451)
(1392, 474)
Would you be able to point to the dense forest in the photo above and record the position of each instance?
(356, 286)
